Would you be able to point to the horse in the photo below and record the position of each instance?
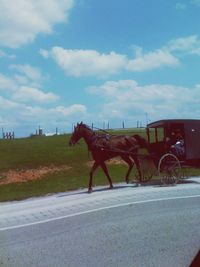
(105, 146)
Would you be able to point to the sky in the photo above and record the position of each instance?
(100, 62)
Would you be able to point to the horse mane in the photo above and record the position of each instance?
(85, 126)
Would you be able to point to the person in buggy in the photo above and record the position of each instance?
(178, 148)
(175, 144)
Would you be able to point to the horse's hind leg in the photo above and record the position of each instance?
(130, 164)
(95, 165)
(103, 166)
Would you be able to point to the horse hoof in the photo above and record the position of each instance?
(111, 187)
(127, 181)
(89, 190)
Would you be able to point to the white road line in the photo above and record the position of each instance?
(95, 210)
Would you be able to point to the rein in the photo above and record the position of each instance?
(102, 130)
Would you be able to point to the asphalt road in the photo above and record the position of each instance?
(127, 226)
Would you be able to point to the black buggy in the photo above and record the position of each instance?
(174, 146)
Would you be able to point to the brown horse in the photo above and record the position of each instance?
(105, 146)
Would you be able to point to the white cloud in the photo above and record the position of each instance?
(29, 94)
(196, 51)
(44, 53)
(20, 79)
(71, 110)
(92, 63)
(126, 99)
(23, 107)
(152, 60)
(58, 113)
(195, 2)
(112, 88)
(6, 83)
(189, 45)
(165, 56)
(24, 85)
(22, 20)
(28, 71)
(2, 53)
(24, 118)
(86, 62)
(6, 104)
(183, 44)
(6, 55)
(180, 6)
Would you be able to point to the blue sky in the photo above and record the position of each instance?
(115, 61)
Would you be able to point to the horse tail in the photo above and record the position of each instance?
(131, 143)
(141, 141)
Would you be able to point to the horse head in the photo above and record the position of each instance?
(79, 132)
(76, 135)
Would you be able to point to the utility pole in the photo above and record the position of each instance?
(146, 115)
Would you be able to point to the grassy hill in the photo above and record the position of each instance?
(39, 152)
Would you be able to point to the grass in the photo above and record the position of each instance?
(35, 152)
(59, 182)
(28, 153)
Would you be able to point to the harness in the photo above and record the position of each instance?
(103, 137)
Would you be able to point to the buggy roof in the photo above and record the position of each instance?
(166, 123)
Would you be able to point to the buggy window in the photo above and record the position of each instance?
(152, 135)
(156, 135)
(160, 134)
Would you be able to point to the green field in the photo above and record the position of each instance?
(32, 153)
(38, 152)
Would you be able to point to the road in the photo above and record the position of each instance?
(128, 226)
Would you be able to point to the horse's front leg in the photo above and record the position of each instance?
(94, 167)
(103, 166)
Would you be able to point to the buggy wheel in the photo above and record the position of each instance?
(169, 169)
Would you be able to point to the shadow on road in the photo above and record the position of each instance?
(134, 184)
(95, 189)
